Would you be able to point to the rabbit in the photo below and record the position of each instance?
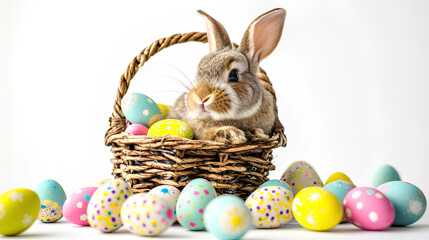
(226, 102)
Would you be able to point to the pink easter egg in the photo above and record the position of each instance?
(368, 209)
(74, 209)
(137, 129)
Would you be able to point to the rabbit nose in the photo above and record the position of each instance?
(204, 101)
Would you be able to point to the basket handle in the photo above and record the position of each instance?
(117, 120)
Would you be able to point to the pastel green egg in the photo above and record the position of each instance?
(384, 174)
(139, 108)
(52, 197)
(172, 127)
(165, 109)
(19, 209)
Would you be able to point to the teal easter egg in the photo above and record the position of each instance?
(276, 182)
(52, 198)
(340, 189)
(385, 173)
(227, 217)
(192, 202)
(408, 200)
(141, 109)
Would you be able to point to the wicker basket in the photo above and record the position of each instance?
(147, 162)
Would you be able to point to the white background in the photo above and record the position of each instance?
(352, 79)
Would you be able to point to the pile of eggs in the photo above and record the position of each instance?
(110, 204)
(146, 117)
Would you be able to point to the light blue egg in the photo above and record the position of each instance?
(276, 182)
(385, 173)
(340, 188)
(227, 217)
(52, 197)
(408, 200)
(141, 109)
(192, 202)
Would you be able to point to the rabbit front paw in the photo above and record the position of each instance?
(227, 134)
(256, 134)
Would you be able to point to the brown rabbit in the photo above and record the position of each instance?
(227, 102)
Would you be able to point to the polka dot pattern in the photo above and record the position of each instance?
(75, 207)
(52, 198)
(146, 215)
(270, 206)
(368, 209)
(192, 202)
(141, 109)
(105, 205)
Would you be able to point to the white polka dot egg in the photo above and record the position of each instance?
(368, 209)
(105, 205)
(139, 108)
(76, 205)
(270, 206)
(146, 215)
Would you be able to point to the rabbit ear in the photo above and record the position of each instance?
(263, 34)
(216, 34)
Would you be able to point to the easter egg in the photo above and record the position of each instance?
(226, 217)
(317, 209)
(385, 173)
(105, 205)
(270, 206)
(340, 189)
(137, 129)
(139, 108)
(19, 209)
(276, 182)
(76, 205)
(192, 202)
(300, 175)
(408, 200)
(338, 176)
(368, 209)
(52, 198)
(167, 193)
(171, 127)
(146, 215)
(98, 182)
(165, 109)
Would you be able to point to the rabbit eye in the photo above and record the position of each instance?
(233, 76)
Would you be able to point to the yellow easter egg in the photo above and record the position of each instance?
(165, 109)
(171, 127)
(338, 176)
(19, 209)
(317, 209)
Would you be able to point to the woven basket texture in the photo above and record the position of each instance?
(146, 162)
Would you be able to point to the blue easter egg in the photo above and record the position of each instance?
(408, 200)
(340, 189)
(227, 217)
(141, 109)
(52, 198)
(192, 202)
(385, 173)
(276, 182)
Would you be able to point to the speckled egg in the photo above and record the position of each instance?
(368, 209)
(226, 217)
(105, 205)
(171, 127)
(338, 176)
(52, 198)
(317, 209)
(384, 174)
(19, 209)
(146, 215)
(408, 200)
(192, 202)
(139, 108)
(276, 182)
(137, 129)
(167, 193)
(340, 189)
(270, 207)
(300, 175)
(165, 109)
(76, 205)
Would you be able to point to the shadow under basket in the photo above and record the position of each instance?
(146, 162)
